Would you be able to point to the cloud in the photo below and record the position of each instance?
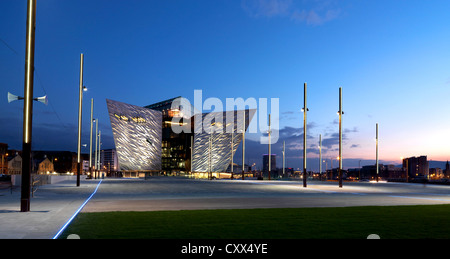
(313, 17)
(49, 135)
(311, 12)
(332, 140)
(355, 129)
(266, 8)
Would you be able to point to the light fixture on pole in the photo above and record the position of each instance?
(377, 152)
(340, 112)
(232, 153)
(270, 155)
(320, 156)
(96, 149)
(99, 153)
(90, 138)
(284, 151)
(80, 107)
(305, 110)
(210, 151)
(243, 149)
(192, 152)
(28, 106)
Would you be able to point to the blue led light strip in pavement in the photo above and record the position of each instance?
(76, 212)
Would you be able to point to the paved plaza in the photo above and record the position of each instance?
(54, 205)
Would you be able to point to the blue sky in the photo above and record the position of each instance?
(392, 59)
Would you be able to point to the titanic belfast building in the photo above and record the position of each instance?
(146, 141)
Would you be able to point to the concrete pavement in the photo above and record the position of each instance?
(164, 193)
(54, 205)
(51, 207)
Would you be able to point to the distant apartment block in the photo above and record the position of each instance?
(417, 167)
(109, 161)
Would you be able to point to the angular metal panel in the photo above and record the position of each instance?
(137, 135)
(218, 157)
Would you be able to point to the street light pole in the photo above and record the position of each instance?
(320, 156)
(192, 153)
(90, 137)
(28, 107)
(305, 109)
(270, 155)
(377, 150)
(340, 137)
(96, 149)
(232, 154)
(80, 107)
(284, 153)
(243, 148)
(99, 152)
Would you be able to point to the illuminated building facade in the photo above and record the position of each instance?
(176, 148)
(145, 140)
(137, 135)
(213, 150)
(418, 167)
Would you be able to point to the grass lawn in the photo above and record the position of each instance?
(391, 222)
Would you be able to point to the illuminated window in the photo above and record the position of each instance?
(174, 113)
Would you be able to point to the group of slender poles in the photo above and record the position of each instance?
(93, 170)
(304, 175)
(340, 113)
(28, 113)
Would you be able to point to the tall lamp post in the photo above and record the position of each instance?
(99, 153)
(305, 110)
(90, 137)
(210, 151)
(96, 149)
(80, 108)
(320, 156)
(232, 154)
(192, 153)
(243, 148)
(376, 164)
(270, 150)
(284, 153)
(28, 108)
(340, 112)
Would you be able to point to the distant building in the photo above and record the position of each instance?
(418, 167)
(3, 157)
(446, 171)
(63, 161)
(393, 172)
(333, 174)
(145, 139)
(15, 164)
(43, 166)
(273, 164)
(436, 173)
(370, 171)
(109, 161)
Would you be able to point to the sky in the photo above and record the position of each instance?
(391, 58)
